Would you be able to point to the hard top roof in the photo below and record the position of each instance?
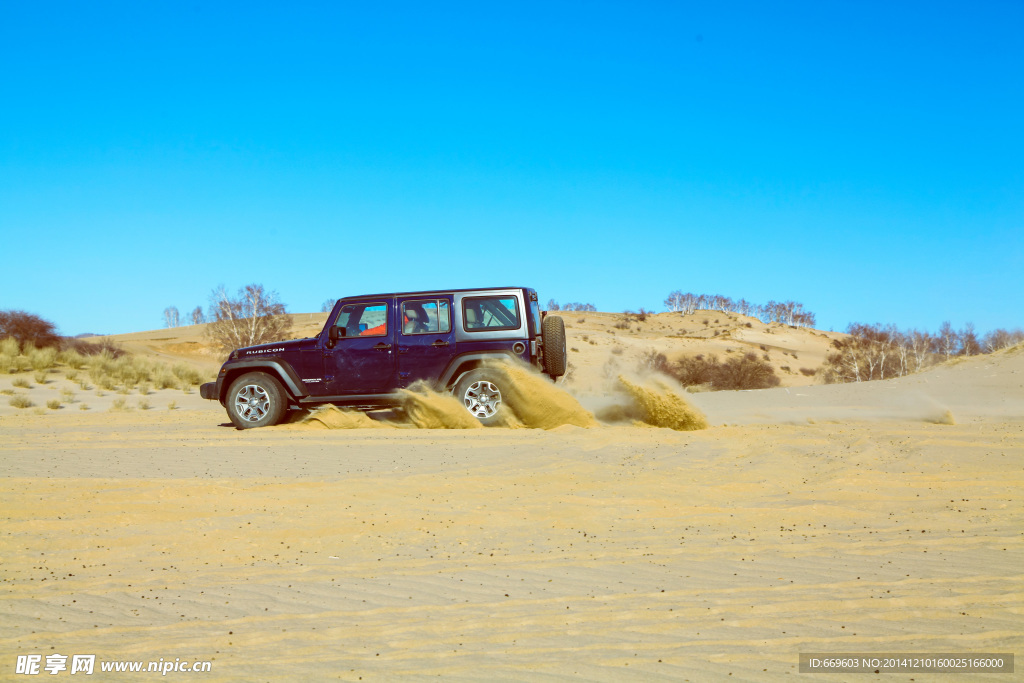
(431, 292)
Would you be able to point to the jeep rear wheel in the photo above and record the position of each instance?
(553, 331)
(480, 392)
(256, 399)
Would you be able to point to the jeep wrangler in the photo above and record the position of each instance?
(372, 345)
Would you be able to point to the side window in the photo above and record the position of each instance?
(425, 316)
(490, 313)
(363, 320)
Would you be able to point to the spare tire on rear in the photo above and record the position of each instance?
(553, 333)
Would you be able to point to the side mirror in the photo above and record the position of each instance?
(333, 335)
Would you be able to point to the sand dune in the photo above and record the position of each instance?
(823, 519)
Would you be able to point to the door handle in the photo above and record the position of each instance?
(440, 342)
(382, 346)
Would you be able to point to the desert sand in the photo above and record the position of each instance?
(879, 517)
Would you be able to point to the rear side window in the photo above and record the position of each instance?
(483, 313)
(426, 316)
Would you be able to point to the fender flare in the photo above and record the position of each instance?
(283, 370)
(457, 362)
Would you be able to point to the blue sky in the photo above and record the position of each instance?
(865, 159)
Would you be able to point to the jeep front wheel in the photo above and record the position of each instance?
(255, 399)
(480, 392)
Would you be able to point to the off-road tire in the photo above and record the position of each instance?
(553, 331)
(256, 399)
(480, 391)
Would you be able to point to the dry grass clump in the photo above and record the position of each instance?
(124, 373)
(73, 359)
(41, 376)
(20, 401)
(9, 347)
(21, 382)
(40, 359)
(164, 378)
(119, 405)
(9, 356)
(188, 375)
(53, 404)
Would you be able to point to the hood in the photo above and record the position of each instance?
(274, 348)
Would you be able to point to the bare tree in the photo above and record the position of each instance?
(253, 317)
(921, 344)
(576, 306)
(679, 302)
(197, 316)
(969, 344)
(1002, 339)
(948, 340)
(171, 316)
(552, 305)
(328, 305)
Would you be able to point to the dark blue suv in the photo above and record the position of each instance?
(372, 345)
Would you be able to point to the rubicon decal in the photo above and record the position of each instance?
(274, 350)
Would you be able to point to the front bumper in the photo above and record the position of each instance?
(210, 391)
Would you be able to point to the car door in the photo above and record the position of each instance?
(426, 340)
(362, 361)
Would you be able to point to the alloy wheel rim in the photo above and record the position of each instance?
(252, 403)
(482, 399)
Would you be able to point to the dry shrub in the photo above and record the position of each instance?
(28, 329)
(41, 377)
(72, 359)
(87, 349)
(187, 375)
(746, 372)
(21, 401)
(41, 359)
(163, 378)
(53, 404)
(9, 347)
(21, 382)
